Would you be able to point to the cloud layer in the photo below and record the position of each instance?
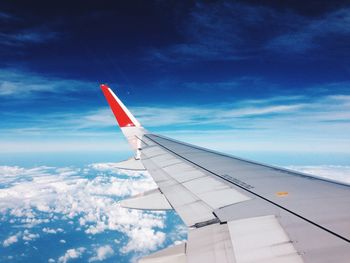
(276, 119)
(36, 198)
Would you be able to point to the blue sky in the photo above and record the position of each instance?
(238, 76)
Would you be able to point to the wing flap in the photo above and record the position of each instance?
(173, 254)
(132, 164)
(210, 244)
(150, 200)
(261, 239)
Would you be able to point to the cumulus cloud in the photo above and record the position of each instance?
(52, 231)
(88, 198)
(27, 236)
(144, 239)
(50, 194)
(72, 253)
(11, 240)
(102, 253)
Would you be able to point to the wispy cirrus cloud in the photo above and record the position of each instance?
(27, 36)
(313, 33)
(222, 31)
(213, 31)
(23, 84)
(298, 117)
(6, 16)
(273, 108)
(162, 116)
(95, 127)
(16, 33)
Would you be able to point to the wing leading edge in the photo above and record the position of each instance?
(237, 210)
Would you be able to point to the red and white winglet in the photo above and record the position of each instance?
(133, 131)
(131, 128)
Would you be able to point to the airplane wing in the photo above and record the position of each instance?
(236, 210)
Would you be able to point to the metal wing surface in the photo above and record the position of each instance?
(237, 210)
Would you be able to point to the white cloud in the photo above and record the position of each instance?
(93, 142)
(22, 84)
(163, 116)
(89, 197)
(27, 236)
(50, 194)
(11, 240)
(72, 254)
(99, 117)
(6, 16)
(113, 167)
(102, 253)
(143, 240)
(333, 172)
(268, 113)
(27, 36)
(52, 231)
(286, 123)
(310, 35)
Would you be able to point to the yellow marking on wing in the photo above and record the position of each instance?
(282, 194)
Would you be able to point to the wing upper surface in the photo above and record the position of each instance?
(206, 188)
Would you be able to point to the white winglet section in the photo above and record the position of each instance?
(173, 254)
(150, 200)
(131, 164)
(261, 239)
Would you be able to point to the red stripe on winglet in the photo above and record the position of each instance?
(121, 116)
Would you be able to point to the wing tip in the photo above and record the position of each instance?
(121, 113)
(104, 86)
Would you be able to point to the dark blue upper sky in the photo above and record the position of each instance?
(201, 58)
